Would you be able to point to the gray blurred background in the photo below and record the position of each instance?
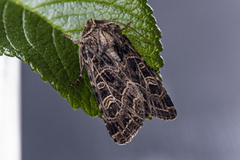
(201, 73)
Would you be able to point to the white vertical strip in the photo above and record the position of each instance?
(10, 103)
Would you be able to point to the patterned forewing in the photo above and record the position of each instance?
(159, 103)
(120, 101)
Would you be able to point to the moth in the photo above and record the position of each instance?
(125, 87)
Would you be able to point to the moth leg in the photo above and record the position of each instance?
(75, 41)
(126, 26)
(81, 62)
(82, 65)
(155, 70)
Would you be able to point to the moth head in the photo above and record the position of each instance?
(88, 27)
(93, 24)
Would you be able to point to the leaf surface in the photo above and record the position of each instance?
(32, 31)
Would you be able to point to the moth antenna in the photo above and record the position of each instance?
(127, 25)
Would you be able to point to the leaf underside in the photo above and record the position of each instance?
(32, 31)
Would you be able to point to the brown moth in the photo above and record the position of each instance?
(125, 87)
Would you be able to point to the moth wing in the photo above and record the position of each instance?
(159, 103)
(120, 101)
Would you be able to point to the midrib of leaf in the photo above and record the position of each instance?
(54, 57)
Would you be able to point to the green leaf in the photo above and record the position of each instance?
(32, 31)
